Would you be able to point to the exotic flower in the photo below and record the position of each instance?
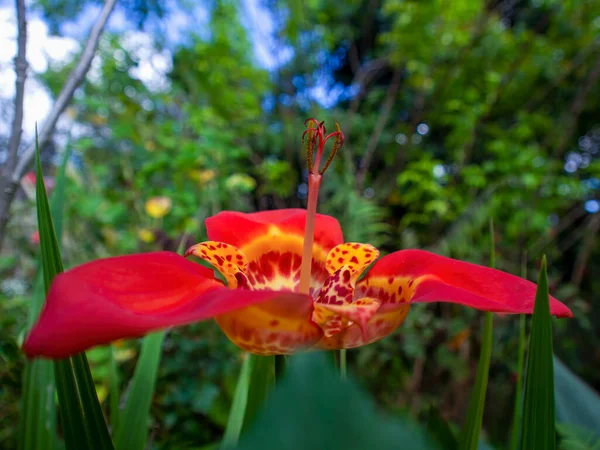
(291, 283)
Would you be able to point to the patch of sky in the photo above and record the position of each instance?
(592, 206)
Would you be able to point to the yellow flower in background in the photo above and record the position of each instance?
(150, 146)
(202, 176)
(206, 175)
(158, 207)
(240, 182)
(146, 235)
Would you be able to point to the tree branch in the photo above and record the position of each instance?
(21, 73)
(8, 188)
(384, 116)
(576, 108)
(585, 251)
(74, 80)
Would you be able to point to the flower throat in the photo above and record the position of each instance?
(314, 138)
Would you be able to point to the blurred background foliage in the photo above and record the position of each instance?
(454, 112)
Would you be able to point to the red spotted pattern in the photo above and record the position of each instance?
(335, 318)
(225, 258)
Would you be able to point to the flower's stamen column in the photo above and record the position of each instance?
(314, 136)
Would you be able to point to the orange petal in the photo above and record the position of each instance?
(272, 241)
(334, 318)
(357, 257)
(224, 257)
(385, 320)
(280, 326)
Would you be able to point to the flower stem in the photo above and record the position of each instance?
(314, 183)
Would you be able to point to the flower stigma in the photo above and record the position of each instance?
(314, 138)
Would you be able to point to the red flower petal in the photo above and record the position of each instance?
(272, 241)
(129, 296)
(432, 278)
(239, 229)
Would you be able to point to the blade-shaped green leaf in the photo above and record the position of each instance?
(57, 203)
(80, 412)
(262, 380)
(313, 408)
(440, 430)
(256, 380)
(132, 433)
(469, 436)
(37, 424)
(538, 427)
(518, 408)
(113, 391)
(235, 422)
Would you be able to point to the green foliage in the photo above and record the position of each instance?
(81, 414)
(239, 404)
(577, 404)
(492, 106)
(254, 384)
(577, 438)
(538, 429)
(469, 436)
(37, 423)
(327, 414)
(132, 432)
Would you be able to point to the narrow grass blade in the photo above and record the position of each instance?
(113, 390)
(469, 436)
(439, 429)
(262, 381)
(57, 203)
(518, 407)
(81, 415)
(132, 432)
(235, 422)
(538, 427)
(37, 423)
(37, 426)
(256, 380)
